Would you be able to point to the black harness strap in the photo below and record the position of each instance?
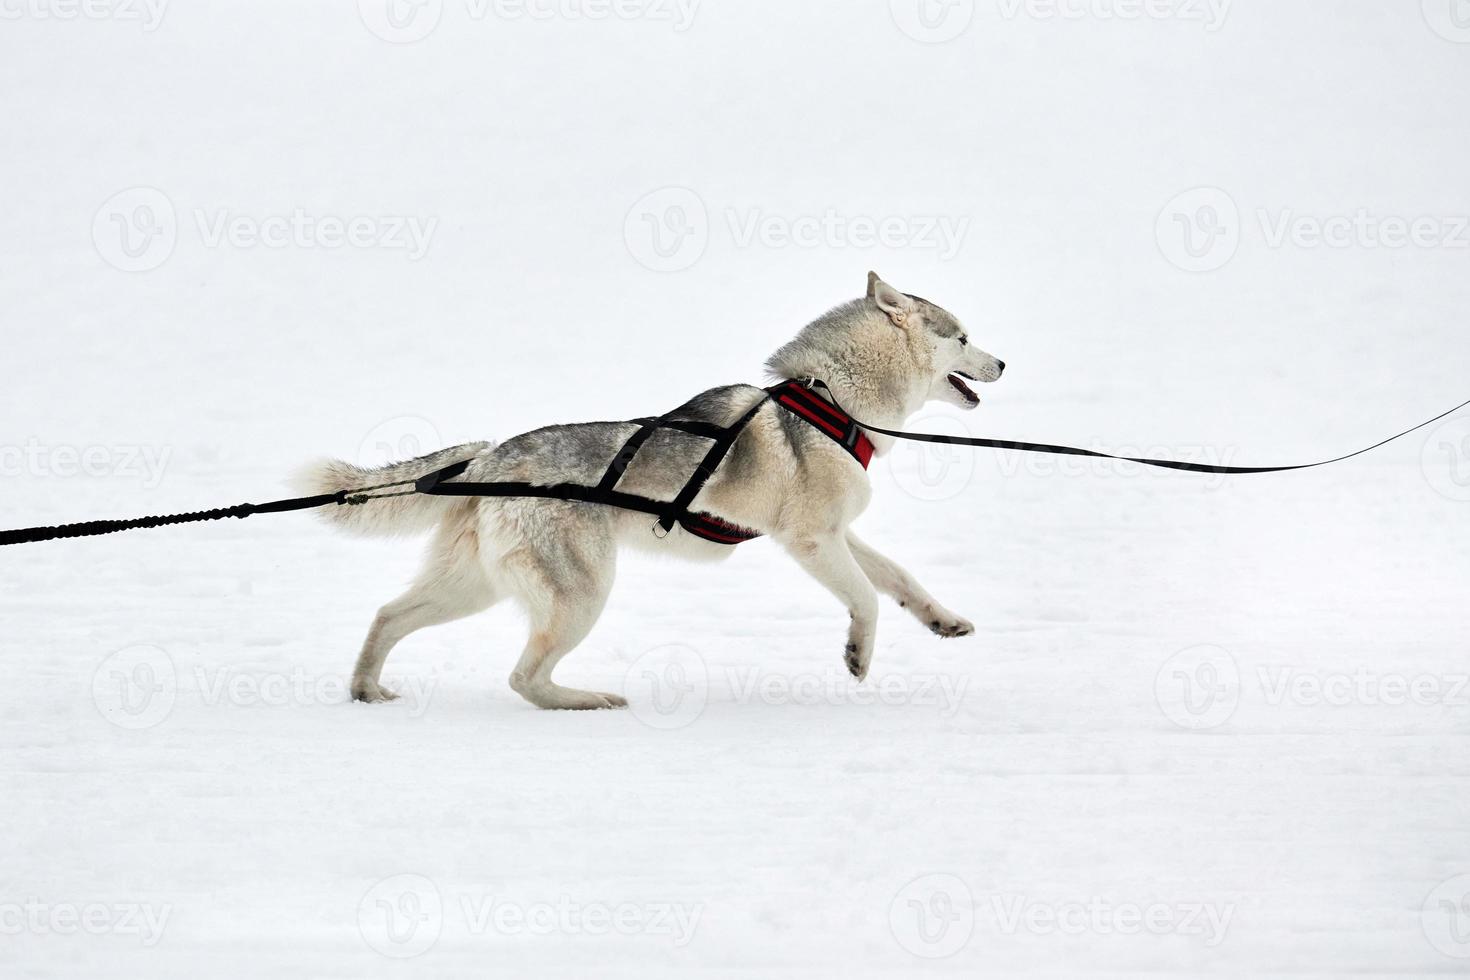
(678, 509)
(668, 512)
(795, 396)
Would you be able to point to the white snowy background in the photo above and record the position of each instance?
(1207, 726)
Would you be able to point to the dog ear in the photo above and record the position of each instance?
(889, 300)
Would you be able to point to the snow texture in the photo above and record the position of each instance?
(1208, 726)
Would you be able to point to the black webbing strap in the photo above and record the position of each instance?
(624, 458)
(436, 484)
(679, 506)
(1170, 464)
(669, 512)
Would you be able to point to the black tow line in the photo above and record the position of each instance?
(669, 513)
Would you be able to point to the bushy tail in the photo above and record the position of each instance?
(389, 516)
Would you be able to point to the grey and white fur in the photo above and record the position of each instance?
(884, 356)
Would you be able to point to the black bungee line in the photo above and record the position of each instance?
(1041, 447)
(435, 483)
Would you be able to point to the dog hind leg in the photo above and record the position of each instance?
(564, 585)
(452, 585)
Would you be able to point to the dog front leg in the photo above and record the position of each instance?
(891, 580)
(829, 561)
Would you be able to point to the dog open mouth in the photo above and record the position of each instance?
(958, 379)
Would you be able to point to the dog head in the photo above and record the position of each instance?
(938, 346)
(888, 353)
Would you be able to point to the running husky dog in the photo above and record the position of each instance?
(883, 357)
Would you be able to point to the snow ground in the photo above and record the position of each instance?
(1207, 727)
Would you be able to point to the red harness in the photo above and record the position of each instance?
(832, 421)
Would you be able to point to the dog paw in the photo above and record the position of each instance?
(371, 692)
(948, 626)
(857, 663)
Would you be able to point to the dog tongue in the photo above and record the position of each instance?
(963, 388)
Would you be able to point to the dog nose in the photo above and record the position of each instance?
(1001, 365)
